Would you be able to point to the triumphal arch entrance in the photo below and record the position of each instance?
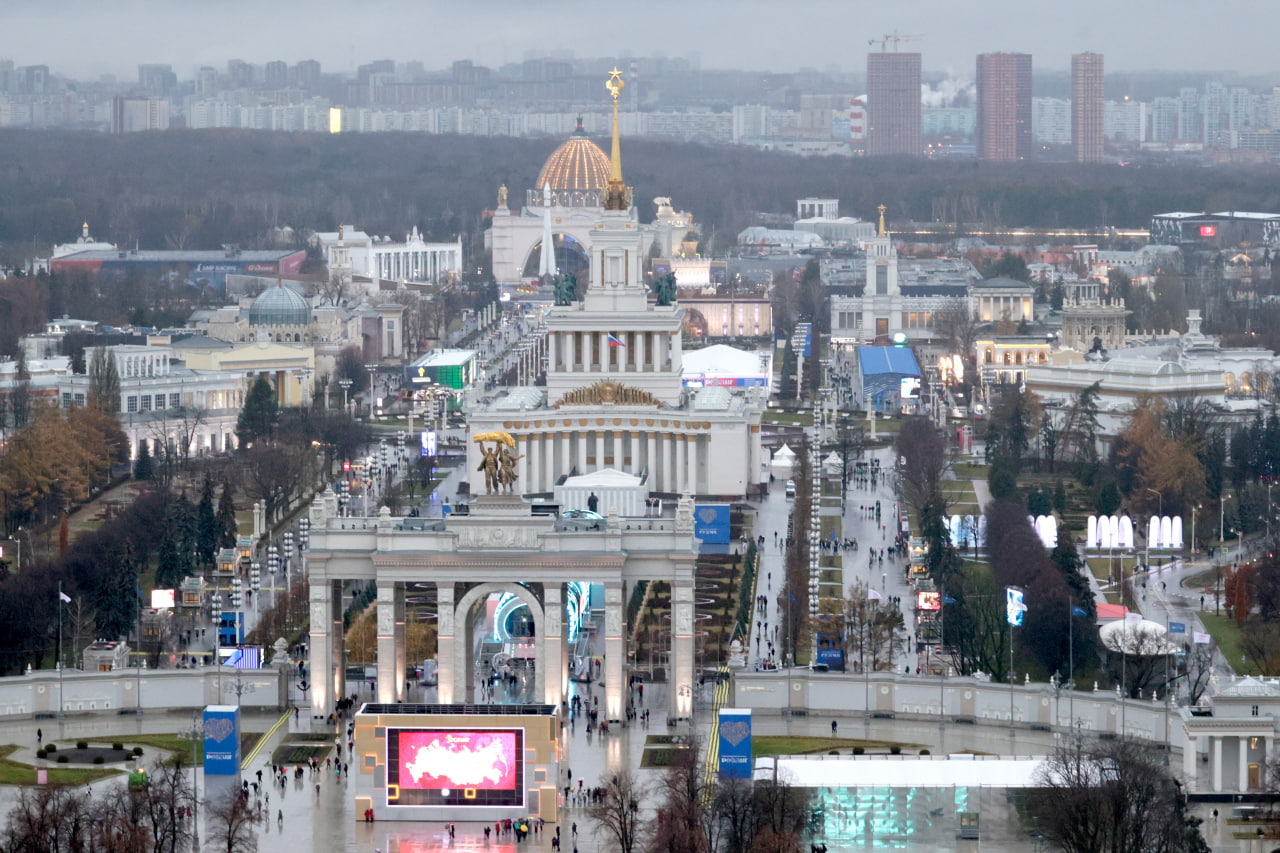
(501, 547)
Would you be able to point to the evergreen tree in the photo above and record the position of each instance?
(227, 527)
(185, 530)
(168, 568)
(104, 382)
(258, 417)
(1060, 498)
(142, 467)
(206, 525)
(20, 395)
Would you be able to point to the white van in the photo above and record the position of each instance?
(791, 488)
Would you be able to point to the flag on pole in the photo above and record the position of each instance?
(1077, 610)
(946, 599)
(1132, 618)
(1200, 638)
(1177, 628)
(64, 596)
(872, 595)
(614, 342)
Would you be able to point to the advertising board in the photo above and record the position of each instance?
(222, 740)
(455, 767)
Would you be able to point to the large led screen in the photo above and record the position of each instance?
(455, 767)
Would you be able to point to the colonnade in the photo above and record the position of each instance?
(456, 607)
(1250, 760)
(401, 263)
(591, 352)
(673, 458)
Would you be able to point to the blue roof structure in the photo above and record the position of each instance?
(882, 370)
(900, 361)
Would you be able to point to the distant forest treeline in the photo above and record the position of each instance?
(201, 189)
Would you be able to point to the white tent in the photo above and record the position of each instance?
(784, 463)
(611, 488)
(833, 464)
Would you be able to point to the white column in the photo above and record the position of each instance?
(402, 644)
(560, 461)
(324, 684)
(613, 651)
(1189, 762)
(583, 437)
(386, 643)
(551, 351)
(445, 642)
(1215, 750)
(680, 679)
(1243, 769)
(522, 467)
(650, 460)
(691, 478)
(682, 463)
(669, 462)
(552, 645)
(642, 354)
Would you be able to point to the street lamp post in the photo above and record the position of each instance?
(346, 385)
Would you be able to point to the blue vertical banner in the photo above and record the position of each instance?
(221, 740)
(735, 743)
(711, 523)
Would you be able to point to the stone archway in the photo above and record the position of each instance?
(464, 626)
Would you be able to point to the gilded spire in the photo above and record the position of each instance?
(617, 194)
(881, 232)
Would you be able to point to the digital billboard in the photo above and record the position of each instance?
(928, 600)
(455, 767)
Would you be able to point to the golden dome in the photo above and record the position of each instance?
(578, 164)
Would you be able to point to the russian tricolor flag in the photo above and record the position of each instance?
(614, 342)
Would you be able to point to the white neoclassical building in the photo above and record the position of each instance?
(614, 396)
(370, 256)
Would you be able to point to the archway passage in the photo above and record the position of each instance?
(571, 258)
(500, 654)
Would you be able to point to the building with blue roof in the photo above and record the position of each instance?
(888, 377)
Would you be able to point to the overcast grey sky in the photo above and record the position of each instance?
(86, 38)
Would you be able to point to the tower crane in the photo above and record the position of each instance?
(894, 37)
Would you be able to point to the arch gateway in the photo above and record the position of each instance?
(501, 546)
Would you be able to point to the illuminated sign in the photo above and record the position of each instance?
(161, 598)
(429, 443)
(335, 120)
(455, 767)
(928, 601)
(1014, 606)
(1208, 230)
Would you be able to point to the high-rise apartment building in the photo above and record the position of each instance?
(893, 104)
(1087, 110)
(1004, 106)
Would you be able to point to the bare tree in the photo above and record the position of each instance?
(959, 327)
(1112, 797)
(1197, 666)
(924, 452)
(873, 630)
(233, 824)
(276, 474)
(170, 801)
(48, 817)
(1137, 657)
(617, 814)
(682, 812)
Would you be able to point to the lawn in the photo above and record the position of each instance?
(797, 745)
(775, 416)
(175, 744)
(1226, 636)
(16, 773)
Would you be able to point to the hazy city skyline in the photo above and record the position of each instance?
(86, 39)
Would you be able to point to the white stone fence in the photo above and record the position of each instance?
(965, 700)
(42, 693)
